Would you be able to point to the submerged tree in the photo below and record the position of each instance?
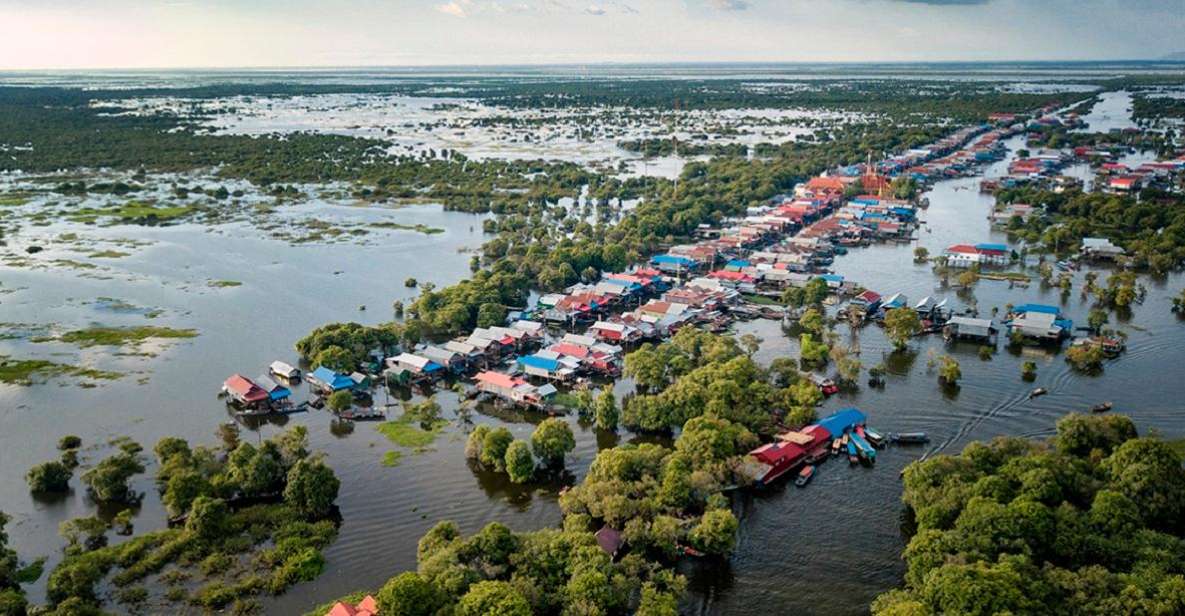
(901, 324)
(552, 440)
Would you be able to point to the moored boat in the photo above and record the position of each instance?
(1040, 391)
(866, 451)
(805, 475)
(909, 438)
(876, 438)
(1101, 408)
(853, 456)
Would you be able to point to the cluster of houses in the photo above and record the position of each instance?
(953, 156)
(1120, 178)
(263, 394)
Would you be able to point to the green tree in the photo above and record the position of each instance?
(49, 477)
(901, 324)
(108, 480)
(182, 489)
(340, 401)
(1097, 319)
(337, 359)
(519, 463)
(716, 532)
(921, 254)
(490, 314)
(552, 440)
(606, 414)
(493, 598)
(493, 448)
(474, 443)
(950, 372)
(311, 488)
(209, 519)
(408, 594)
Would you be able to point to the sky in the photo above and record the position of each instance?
(78, 34)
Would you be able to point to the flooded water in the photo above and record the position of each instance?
(1112, 112)
(830, 548)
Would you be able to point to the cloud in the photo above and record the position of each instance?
(456, 8)
(729, 5)
(595, 10)
(945, 2)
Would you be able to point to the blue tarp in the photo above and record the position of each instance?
(738, 263)
(903, 212)
(432, 366)
(332, 379)
(999, 247)
(543, 363)
(841, 421)
(673, 260)
(280, 393)
(831, 277)
(1039, 308)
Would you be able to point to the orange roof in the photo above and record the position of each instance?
(825, 183)
(366, 607)
(497, 379)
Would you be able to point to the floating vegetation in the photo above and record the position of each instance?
(407, 432)
(222, 284)
(108, 254)
(119, 306)
(23, 371)
(392, 458)
(419, 228)
(13, 200)
(120, 336)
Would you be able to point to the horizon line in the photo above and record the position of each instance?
(602, 63)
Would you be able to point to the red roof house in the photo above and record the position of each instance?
(366, 607)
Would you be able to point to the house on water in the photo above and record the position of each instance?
(514, 390)
(245, 392)
(284, 371)
(1041, 325)
(327, 381)
(276, 392)
(418, 366)
(967, 328)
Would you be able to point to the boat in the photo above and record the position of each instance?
(805, 475)
(909, 438)
(876, 438)
(1040, 391)
(867, 452)
(836, 445)
(1101, 408)
(853, 456)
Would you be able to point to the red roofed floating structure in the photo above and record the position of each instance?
(244, 391)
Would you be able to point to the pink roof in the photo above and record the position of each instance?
(245, 388)
(568, 348)
(497, 379)
(963, 249)
(727, 275)
(366, 607)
